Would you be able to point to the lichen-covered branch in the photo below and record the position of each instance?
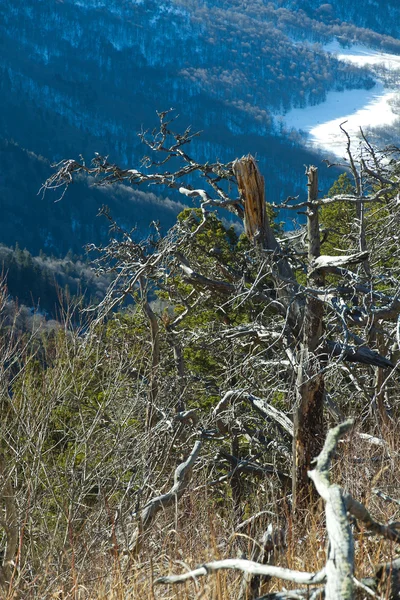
(248, 566)
(340, 563)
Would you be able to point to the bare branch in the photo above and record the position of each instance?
(340, 563)
(266, 410)
(248, 566)
(359, 511)
(148, 512)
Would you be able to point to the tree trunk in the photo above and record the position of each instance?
(340, 552)
(309, 430)
(308, 419)
(259, 231)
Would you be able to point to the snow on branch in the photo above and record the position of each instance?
(326, 262)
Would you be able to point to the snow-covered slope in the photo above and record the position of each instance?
(79, 76)
(365, 109)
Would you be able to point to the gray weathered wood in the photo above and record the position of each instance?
(338, 574)
(326, 262)
(310, 385)
(340, 562)
(248, 566)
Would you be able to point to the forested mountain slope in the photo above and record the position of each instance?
(84, 76)
(381, 17)
(40, 222)
(48, 284)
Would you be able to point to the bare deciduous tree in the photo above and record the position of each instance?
(313, 321)
(313, 328)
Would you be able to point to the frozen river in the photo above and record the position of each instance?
(360, 108)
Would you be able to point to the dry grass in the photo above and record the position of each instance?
(201, 528)
(66, 551)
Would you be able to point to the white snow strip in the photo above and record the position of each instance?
(360, 108)
(361, 55)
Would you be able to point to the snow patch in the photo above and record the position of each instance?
(361, 55)
(360, 108)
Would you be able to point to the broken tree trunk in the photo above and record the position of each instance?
(309, 430)
(256, 222)
(252, 190)
(308, 418)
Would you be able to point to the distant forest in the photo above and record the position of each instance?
(91, 75)
(47, 284)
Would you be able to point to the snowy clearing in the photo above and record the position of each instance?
(360, 108)
(361, 55)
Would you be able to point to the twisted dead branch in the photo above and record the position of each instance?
(338, 573)
(148, 513)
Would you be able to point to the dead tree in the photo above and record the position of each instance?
(337, 577)
(310, 387)
(308, 329)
